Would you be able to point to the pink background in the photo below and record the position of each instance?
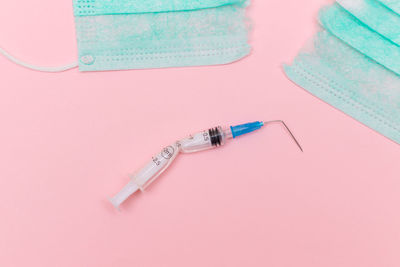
(68, 140)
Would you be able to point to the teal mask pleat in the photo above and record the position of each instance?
(350, 81)
(353, 32)
(104, 7)
(376, 16)
(392, 4)
(115, 35)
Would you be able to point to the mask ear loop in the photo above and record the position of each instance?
(37, 68)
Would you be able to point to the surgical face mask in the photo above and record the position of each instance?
(140, 34)
(350, 80)
(364, 39)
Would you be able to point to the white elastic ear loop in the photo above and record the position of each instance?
(38, 68)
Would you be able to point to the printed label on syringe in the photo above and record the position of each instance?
(168, 152)
(197, 142)
(155, 167)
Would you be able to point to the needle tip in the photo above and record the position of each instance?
(287, 128)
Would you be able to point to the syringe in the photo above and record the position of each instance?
(208, 139)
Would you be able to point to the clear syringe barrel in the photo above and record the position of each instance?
(204, 140)
(147, 174)
(154, 168)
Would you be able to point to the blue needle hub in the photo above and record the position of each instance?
(246, 128)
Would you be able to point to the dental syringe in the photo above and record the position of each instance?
(208, 139)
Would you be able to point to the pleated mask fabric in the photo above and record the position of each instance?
(392, 4)
(376, 16)
(353, 32)
(142, 34)
(352, 67)
(139, 34)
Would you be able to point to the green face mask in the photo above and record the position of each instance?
(352, 75)
(139, 34)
